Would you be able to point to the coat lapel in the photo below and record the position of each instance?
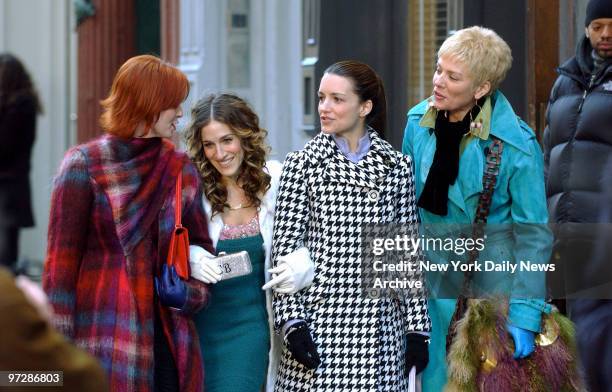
(498, 119)
(471, 171)
(368, 173)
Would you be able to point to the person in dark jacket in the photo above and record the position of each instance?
(594, 317)
(577, 145)
(19, 105)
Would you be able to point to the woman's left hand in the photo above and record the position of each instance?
(282, 279)
(292, 273)
(171, 290)
(524, 341)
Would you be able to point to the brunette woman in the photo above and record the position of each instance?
(336, 337)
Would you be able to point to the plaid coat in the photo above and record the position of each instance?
(112, 214)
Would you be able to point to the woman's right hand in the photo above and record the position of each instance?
(299, 342)
(203, 266)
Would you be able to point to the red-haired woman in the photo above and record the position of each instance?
(112, 214)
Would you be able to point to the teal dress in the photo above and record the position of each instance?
(233, 329)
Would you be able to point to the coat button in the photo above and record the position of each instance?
(373, 195)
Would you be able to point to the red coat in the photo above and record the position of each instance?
(112, 213)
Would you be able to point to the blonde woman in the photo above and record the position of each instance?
(448, 136)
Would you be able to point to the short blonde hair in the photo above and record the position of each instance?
(486, 55)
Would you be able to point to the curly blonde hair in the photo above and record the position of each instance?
(234, 112)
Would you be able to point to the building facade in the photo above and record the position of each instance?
(272, 52)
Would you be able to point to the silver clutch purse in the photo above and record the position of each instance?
(234, 264)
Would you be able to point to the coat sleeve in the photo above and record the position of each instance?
(299, 261)
(290, 226)
(194, 219)
(533, 238)
(415, 310)
(71, 203)
(29, 343)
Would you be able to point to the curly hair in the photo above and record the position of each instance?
(234, 112)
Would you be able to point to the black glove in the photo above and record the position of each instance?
(300, 344)
(171, 290)
(417, 351)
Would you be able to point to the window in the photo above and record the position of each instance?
(310, 28)
(310, 55)
(238, 44)
(431, 21)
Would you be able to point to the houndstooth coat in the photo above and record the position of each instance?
(323, 199)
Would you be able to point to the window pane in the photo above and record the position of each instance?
(430, 23)
(238, 44)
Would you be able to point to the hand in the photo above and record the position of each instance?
(171, 290)
(292, 273)
(524, 341)
(417, 351)
(282, 279)
(36, 296)
(203, 266)
(300, 344)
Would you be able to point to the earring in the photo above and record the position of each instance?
(475, 126)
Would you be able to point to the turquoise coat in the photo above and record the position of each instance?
(517, 218)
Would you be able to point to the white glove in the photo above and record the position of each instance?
(203, 265)
(282, 279)
(292, 273)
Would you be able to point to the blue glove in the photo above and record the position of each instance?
(524, 341)
(171, 290)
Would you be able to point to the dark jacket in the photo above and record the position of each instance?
(577, 145)
(578, 138)
(17, 133)
(593, 317)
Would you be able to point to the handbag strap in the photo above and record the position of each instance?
(178, 198)
(489, 179)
